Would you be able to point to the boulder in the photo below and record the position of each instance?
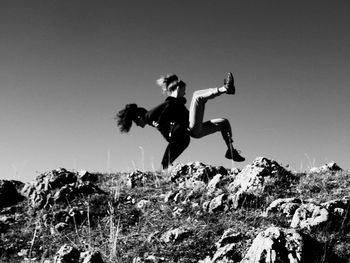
(84, 176)
(226, 251)
(219, 203)
(284, 206)
(196, 171)
(217, 185)
(228, 237)
(57, 186)
(276, 245)
(69, 254)
(250, 183)
(309, 215)
(331, 214)
(139, 178)
(8, 193)
(329, 167)
(338, 207)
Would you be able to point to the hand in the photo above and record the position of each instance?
(155, 124)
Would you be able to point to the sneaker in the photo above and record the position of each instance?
(229, 84)
(234, 155)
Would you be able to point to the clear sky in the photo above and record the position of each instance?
(66, 68)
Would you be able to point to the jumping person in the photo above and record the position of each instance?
(176, 123)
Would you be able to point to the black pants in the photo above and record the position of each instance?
(179, 140)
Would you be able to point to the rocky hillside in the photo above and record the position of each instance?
(194, 213)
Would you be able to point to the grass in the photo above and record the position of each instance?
(122, 232)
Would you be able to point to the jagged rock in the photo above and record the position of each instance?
(329, 167)
(56, 186)
(196, 171)
(176, 235)
(213, 184)
(67, 254)
(331, 214)
(218, 203)
(309, 215)
(276, 245)
(338, 207)
(194, 190)
(228, 237)
(250, 183)
(217, 184)
(186, 191)
(8, 192)
(224, 254)
(84, 176)
(175, 196)
(286, 206)
(226, 248)
(138, 178)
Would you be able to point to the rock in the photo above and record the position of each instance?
(8, 193)
(85, 176)
(175, 196)
(57, 186)
(250, 183)
(224, 254)
(67, 254)
(138, 178)
(276, 245)
(229, 236)
(61, 177)
(330, 214)
(219, 203)
(196, 171)
(309, 215)
(286, 206)
(176, 235)
(329, 167)
(194, 190)
(338, 207)
(226, 248)
(217, 184)
(189, 191)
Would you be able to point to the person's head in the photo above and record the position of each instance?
(172, 85)
(131, 113)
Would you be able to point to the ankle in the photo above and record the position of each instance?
(222, 89)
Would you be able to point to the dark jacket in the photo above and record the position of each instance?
(168, 114)
(172, 117)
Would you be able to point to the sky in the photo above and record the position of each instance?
(67, 67)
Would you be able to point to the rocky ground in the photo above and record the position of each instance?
(194, 213)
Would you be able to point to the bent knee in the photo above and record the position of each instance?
(225, 122)
(197, 96)
(195, 134)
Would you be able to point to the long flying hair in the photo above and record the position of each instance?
(126, 116)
